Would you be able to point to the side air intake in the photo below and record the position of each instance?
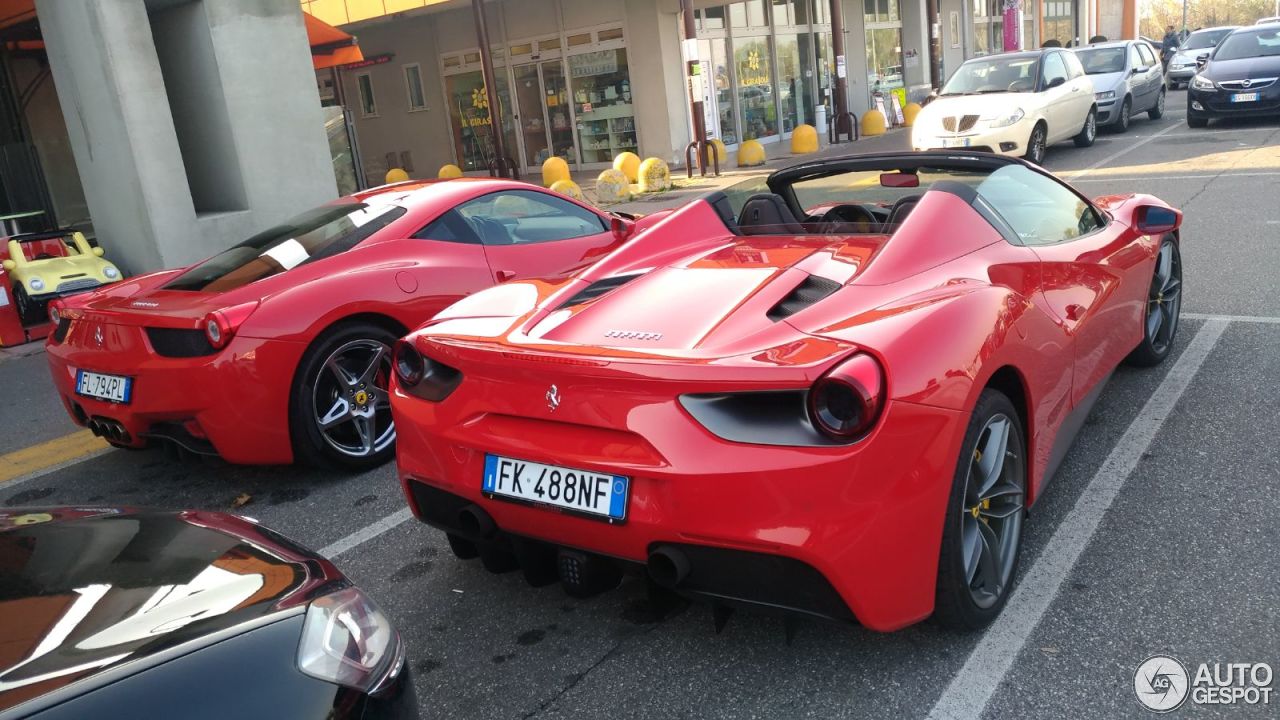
(810, 291)
(598, 288)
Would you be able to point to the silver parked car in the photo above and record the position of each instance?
(1127, 79)
(1183, 65)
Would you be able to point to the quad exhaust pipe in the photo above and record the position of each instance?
(475, 521)
(109, 429)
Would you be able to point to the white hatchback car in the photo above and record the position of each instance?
(1016, 104)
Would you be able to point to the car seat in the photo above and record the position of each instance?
(898, 213)
(767, 214)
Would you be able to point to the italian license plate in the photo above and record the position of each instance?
(955, 142)
(112, 388)
(597, 495)
(1244, 97)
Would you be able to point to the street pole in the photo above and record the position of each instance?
(692, 69)
(841, 118)
(935, 44)
(1184, 19)
(490, 87)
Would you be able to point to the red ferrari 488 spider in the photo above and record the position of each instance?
(279, 348)
(836, 396)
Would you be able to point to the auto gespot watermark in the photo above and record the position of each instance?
(1162, 683)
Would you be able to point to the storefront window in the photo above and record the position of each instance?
(884, 45)
(796, 92)
(755, 87)
(747, 14)
(471, 122)
(712, 18)
(716, 57)
(601, 89)
(1059, 23)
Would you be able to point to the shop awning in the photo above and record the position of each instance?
(13, 12)
(329, 45)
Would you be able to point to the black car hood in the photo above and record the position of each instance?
(1254, 67)
(84, 590)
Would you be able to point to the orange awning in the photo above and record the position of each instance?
(13, 12)
(329, 45)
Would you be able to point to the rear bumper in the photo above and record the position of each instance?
(847, 532)
(237, 398)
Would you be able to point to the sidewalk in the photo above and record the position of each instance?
(684, 188)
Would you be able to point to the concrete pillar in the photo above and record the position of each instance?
(194, 124)
(915, 38)
(657, 78)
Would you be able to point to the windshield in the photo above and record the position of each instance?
(319, 233)
(993, 75)
(1249, 44)
(1205, 39)
(1100, 61)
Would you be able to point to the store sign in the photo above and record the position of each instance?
(368, 61)
(603, 62)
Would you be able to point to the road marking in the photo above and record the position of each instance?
(971, 689)
(366, 533)
(1081, 173)
(1183, 177)
(1233, 318)
(42, 459)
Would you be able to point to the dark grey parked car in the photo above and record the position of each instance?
(1127, 79)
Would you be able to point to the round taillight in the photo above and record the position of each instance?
(409, 364)
(54, 315)
(845, 403)
(213, 331)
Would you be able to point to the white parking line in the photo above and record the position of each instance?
(970, 690)
(366, 533)
(1128, 149)
(1232, 318)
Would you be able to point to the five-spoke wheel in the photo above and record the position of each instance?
(1163, 309)
(341, 408)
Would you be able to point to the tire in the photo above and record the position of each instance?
(344, 373)
(1037, 143)
(1196, 121)
(28, 310)
(1164, 308)
(1089, 132)
(1157, 111)
(982, 530)
(1126, 115)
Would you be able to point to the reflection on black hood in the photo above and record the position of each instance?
(87, 589)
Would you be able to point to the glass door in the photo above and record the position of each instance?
(532, 121)
(559, 123)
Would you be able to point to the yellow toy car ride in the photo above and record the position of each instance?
(47, 265)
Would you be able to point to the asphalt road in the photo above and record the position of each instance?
(1158, 535)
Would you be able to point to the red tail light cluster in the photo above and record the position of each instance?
(421, 376)
(220, 325)
(845, 403)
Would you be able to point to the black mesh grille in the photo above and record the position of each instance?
(168, 342)
(60, 332)
(810, 291)
(598, 288)
(959, 124)
(967, 122)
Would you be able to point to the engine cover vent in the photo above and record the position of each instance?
(810, 291)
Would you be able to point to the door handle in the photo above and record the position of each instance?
(1075, 312)
(505, 275)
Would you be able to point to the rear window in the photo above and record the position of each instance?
(323, 232)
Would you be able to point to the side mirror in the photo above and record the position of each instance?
(1056, 82)
(1201, 60)
(1156, 220)
(10, 265)
(99, 252)
(621, 228)
(1137, 70)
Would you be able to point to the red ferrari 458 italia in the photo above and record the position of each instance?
(836, 396)
(279, 348)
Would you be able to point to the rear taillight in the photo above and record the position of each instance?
(845, 403)
(220, 325)
(421, 376)
(55, 311)
(347, 640)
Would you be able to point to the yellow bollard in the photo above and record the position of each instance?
(750, 153)
(628, 163)
(804, 139)
(395, 175)
(553, 170)
(612, 186)
(449, 171)
(873, 122)
(722, 154)
(569, 188)
(654, 175)
(909, 113)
